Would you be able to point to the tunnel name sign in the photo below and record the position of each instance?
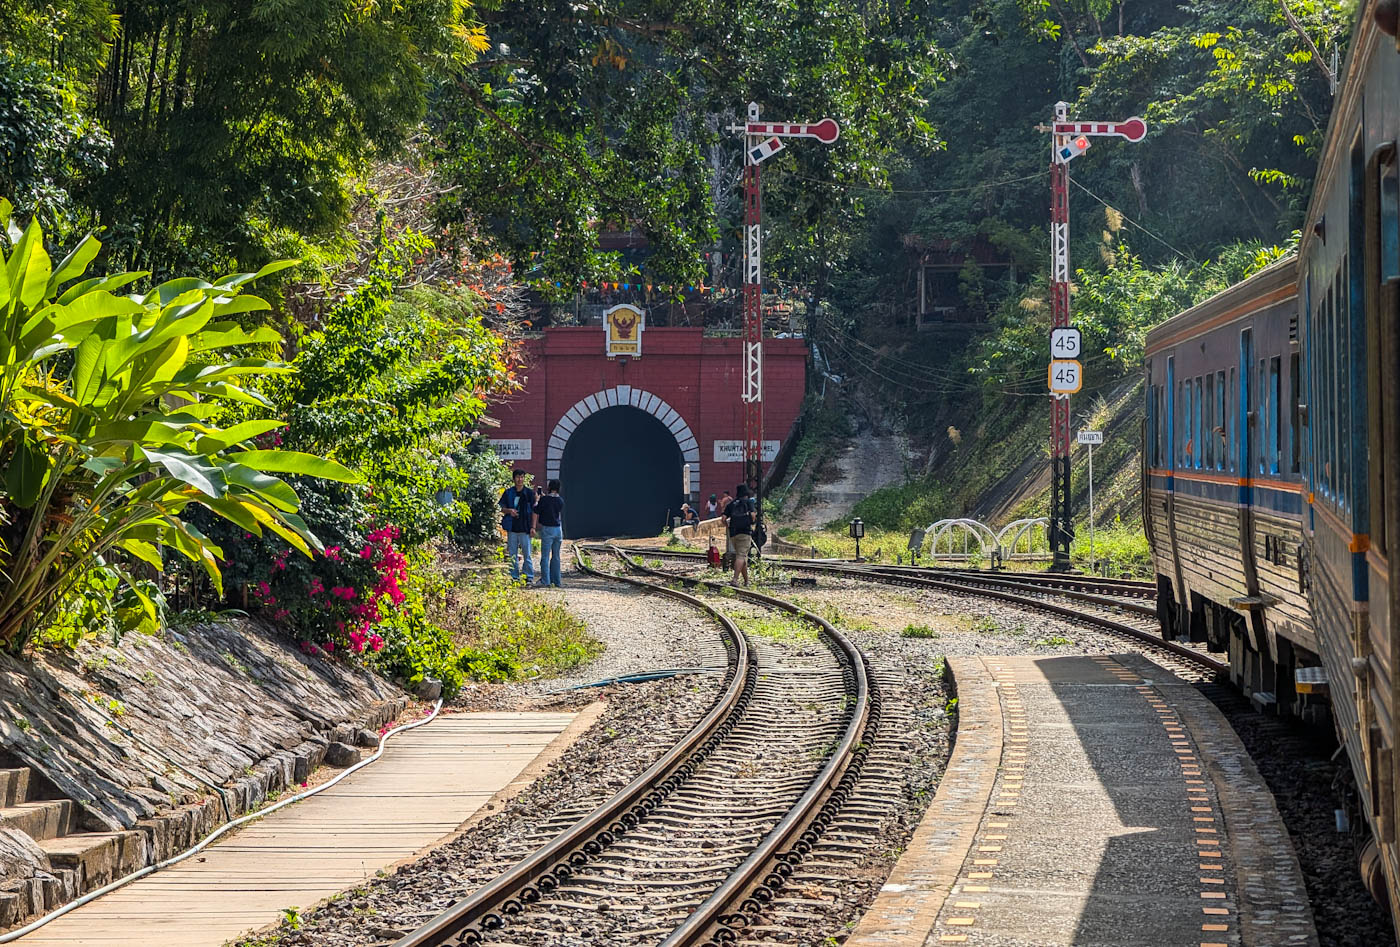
(732, 452)
(623, 325)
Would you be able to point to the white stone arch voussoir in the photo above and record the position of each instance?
(623, 396)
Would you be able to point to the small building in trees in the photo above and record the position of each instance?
(952, 282)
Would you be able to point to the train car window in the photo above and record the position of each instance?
(1151, 420)
(1221, 444)
(1197, 423)
(1275, 412)
(1208, 429)
(1295, 425)
(1230, 403)
(1323, 394)
(1342, 387)
(1183, 404)
(1172, 403)
(1262, 418)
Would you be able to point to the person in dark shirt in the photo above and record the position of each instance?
(549, 520)
(738, 519)
(518, 520)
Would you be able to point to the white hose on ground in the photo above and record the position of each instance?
(34, 925)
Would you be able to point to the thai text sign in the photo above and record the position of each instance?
(513, 448)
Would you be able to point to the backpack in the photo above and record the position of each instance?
(741, 520)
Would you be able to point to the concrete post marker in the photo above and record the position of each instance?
(429, 781)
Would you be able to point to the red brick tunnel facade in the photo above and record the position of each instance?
(622, 469)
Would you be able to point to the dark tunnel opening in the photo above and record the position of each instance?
(621, 474)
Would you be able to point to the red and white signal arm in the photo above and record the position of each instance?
(825, 131)
(1066, 376)
(1133, 129)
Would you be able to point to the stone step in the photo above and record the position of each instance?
(97, 857)
(14, 786)
(41, 820)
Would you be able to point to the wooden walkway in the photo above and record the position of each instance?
(428, 782)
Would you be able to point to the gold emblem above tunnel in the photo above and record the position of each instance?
(624, 325)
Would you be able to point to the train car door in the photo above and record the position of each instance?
(1181, 624)
(1247, 421)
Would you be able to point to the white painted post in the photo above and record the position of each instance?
(1089, 439)
(1091, 510)
(685, 480)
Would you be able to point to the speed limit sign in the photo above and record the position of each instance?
(1066, 376)
(1065, 343)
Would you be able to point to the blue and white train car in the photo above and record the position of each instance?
(1272, 454)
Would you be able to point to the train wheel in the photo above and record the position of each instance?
(1372, 874)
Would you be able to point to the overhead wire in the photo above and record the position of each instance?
(1163, 242)
(945, 381)
(933, 190)
(904, 367)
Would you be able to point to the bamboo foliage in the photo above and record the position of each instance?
(109, 426)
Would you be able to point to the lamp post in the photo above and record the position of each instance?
(857, 531)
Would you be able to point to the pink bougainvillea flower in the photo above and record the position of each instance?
(333, 552)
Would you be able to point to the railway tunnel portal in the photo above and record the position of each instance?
(618, 431)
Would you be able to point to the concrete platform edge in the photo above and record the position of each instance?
(908, 905)
(1273, 899)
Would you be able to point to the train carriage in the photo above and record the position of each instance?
(1271, 475)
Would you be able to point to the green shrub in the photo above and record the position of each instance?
(416, 646)
(507, 627)
(111, 427)
(918, 631)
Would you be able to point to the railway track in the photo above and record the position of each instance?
(1117, 607)
(703, 842)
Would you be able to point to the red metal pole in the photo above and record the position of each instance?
(753, 320)
(1061, 524)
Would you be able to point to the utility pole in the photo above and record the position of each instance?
(762, 140)
(1068, 141)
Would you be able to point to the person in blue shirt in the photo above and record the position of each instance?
(518, 520)
(549, 520)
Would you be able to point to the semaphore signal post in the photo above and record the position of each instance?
(762, 140)
(1068, 141)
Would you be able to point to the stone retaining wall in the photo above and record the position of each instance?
(161, 739)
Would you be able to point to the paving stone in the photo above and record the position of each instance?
(1114, 807)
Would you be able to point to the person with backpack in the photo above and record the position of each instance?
(549, 520)
(739, 518)
(518, 520)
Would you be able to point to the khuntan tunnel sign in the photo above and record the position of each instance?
(624, 325)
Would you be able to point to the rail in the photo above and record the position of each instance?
(541, 872)
(1004, 587)
(762, 874)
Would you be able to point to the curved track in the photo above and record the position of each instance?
(697, 845)
(1087, 600)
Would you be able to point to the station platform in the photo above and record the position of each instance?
(421, 792)
(1095, 801)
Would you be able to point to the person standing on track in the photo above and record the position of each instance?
(738, 519)
(549, 520)
(518, 520)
